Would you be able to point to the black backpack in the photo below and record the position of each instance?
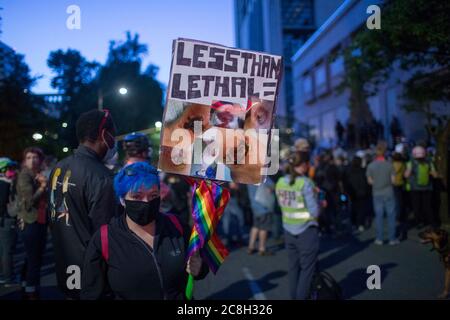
(324, 287)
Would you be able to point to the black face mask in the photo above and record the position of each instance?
(142, 212)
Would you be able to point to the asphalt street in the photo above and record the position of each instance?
(408, 271)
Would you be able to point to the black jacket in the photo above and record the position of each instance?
(5, 188)
(81, 200)
(356, 183)
(135, 271)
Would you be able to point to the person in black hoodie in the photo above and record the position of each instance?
(140, 255)
(81, 195)
(359, 190)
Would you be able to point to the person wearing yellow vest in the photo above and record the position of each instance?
(418, 171)
(300, 211)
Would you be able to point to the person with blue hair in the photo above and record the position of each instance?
(139, 255)
(136, 176)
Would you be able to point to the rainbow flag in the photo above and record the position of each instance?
(208, 204)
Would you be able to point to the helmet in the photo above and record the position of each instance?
(301, 144)
(399, 148)
(6, 163)
(135, 143)
(419, 152)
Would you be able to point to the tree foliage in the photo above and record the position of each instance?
(82, 81)
(414, 36)
(19, 117)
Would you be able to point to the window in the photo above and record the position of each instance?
(337, 66)
(308, 87)
(321, 79)
(297, 13)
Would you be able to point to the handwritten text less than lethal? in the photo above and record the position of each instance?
(245, 66)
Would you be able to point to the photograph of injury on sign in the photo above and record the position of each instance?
(219, 112)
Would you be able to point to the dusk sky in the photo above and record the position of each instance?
(34, 28)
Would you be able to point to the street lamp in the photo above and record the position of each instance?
(37, 136)
(65, 149)
(64, 124)
(123, 91)
(158, 125)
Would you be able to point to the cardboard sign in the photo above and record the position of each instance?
(219, 111)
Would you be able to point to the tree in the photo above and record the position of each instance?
(414, 36)
(72, 71)
(81, 81)
(73, 78)
(19, 117)
(142, 107)
(128, 51)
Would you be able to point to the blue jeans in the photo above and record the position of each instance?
(382, 204)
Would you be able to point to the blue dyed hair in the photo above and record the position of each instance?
(133, 177)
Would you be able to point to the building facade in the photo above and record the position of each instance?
(318, 70)
(280, 27)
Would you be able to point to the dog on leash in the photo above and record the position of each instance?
(439, 239)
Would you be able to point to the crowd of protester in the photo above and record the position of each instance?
(100, 213)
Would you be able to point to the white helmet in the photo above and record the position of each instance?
(360, 154)
(399, 148)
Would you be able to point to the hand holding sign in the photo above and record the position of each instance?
(219, 110)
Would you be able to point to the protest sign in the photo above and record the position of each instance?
(219, 111)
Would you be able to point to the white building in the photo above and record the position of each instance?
(317, 73)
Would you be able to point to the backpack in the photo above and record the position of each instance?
(324, 287)
(104, 234)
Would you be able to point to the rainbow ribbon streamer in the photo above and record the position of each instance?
(208, 203)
